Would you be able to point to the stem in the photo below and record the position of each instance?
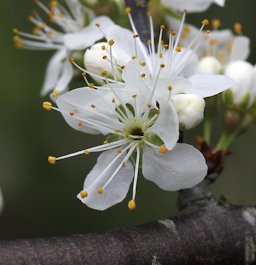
(225, 140)
(207, 130)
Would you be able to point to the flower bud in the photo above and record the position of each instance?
(209, 65)
(97, 60)
(190, 109)
(243, 74)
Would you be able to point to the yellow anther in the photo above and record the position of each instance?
(165, 46)
(127, 10)
(52, 159)
(124, 164)
(47, 105)
(132, 205)
(170, 88)
(71, 113)
(97, 25)
(103, 47)
(80, 123)
(122, 67)
(30, 18)
(83, 194)
(104, 73)
(104, 57)
(126, 135)
(91, 85)
(135, 36)
(119, 151)
(163, 149)
(111, 42)
(149, 42)
(134, 57)
(162, 65)
(142, 75)
(15, 30)
(55, 93)
(213, 42)
(86, 152)
(162, 26)
(178, 49)
(157, 111)
(143, 64)
(149, 105)
(238, 28)
(84, 74)
(172, 32)
(116, 131)
(216, 23)
(93, 106)
(72, 59)
(100, 191)
(105, 142)
(205, 22)
(113, 100)
(149, 13)
(134, 96)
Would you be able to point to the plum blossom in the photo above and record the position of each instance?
(191, 5)
(142, 130)
(77, 31)
(218, 48)
(123, 46)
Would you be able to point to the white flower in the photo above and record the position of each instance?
(191, 5)
(222, 45)
(244, 75)
(74, 35)
(143, 125)
(190, 109)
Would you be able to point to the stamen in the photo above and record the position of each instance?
(132, 205)
(83, 194)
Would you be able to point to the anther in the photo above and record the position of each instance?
(113, 100)
(91, 85)
(132, 205)
(170, 88)
(134, 57)
(162, 149)
(135, 36)
(72, 59)
(116, 131)
(93, 106)
(149, 13)
(149, 42)
(213, 42)
(127, 10)
(162, 65)
(104, 57)
(216, 23)
(142, 75)
(149, 105)
(105, 142)
(178, 49)
(86, 152)
(238, 28)
(100, 191)
(134, 96)
(55, 93)
(83, 194)
(162, 26)
(205, 22)
(47, 105)
(52, 160)
(143, 64)
(71, 113)
(97, 25)
(83, 74)
(111, 42)
(80, 123)
(124, 164)
(103, 47)
(15, 30)
(172, 32)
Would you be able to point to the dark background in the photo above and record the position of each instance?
(40, 199)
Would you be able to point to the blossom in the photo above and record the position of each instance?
(179, 63)
(142, 126)
(191, 5)
(218, 48)
(244, 75)
(77, 32)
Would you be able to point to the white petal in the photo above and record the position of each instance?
(117, 189)
(79, 101)
(206, 85)
(66, 76)
(167, 125)
(181, 168)
(191, 5)
(53, 71)
(240, 48)
(220, 2)
(89, 35)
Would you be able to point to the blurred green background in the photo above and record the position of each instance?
(40, 199)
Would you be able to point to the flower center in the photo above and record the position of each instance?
(137, 131)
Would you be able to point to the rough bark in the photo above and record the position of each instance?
(208, 232)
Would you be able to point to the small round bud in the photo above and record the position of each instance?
(209, 65)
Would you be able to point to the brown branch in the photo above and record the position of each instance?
(208, 233)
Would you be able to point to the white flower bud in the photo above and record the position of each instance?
(190, 109)
(243, 74)
(209, 65)
(97, 61)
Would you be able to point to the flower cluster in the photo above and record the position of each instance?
(140, 96)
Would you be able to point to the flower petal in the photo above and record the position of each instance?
(66, 76)
(89, 35)
(79, 102)
(167, 125)
(53, 71)
(206, 85)
(181, 168)
(240, 48)
(117, 189)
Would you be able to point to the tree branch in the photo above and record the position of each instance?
(207, 233)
